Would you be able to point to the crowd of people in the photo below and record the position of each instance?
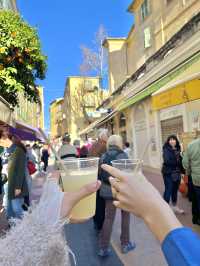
(19, 160)
(134, 195)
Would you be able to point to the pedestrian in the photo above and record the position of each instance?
(76, 143)
(45, 157)
(17, 185)
(97, 150)
(114, 152)
(30, 169)
(191, 162)
(135, 194)
(128, 150)
(171, 170)
(83, 152)
(67, 150)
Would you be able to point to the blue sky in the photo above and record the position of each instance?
(63, 26)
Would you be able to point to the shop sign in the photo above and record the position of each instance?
(181, 94)
(171, 113)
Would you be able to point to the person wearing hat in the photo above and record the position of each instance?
(67, 150)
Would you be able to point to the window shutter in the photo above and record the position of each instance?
(147, 38)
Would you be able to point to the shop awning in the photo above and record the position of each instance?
(5, 111)
(32, 131)
(178, 92)
(98, 123)
(183, 71)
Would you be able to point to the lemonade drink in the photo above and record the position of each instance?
(80, 172)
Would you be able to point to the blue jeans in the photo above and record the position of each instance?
(171, 189)
(14, 208)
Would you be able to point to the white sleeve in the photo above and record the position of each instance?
(38, 239)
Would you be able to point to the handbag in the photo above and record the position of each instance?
(176, 175)
(106, 191)
(31, 168)
(183, 188)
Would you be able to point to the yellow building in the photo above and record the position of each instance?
(81, 98)
(56, 118)
(154, 76)
(30, 113)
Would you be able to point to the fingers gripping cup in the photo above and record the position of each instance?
(80, 172)
(128, 165)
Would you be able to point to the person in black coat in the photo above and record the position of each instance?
(171, 170)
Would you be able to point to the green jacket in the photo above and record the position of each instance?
(17, 173)
(191, 161)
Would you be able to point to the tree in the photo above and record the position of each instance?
(21, 59)
(95, 58)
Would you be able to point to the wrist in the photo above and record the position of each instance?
(161, 220)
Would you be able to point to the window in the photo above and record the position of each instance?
(147, 38)
(144, 9)
(122, 120)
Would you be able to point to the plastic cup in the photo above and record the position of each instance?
(80, 172)
(128, 165)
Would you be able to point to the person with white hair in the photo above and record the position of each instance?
(114, 152)
(97, 150)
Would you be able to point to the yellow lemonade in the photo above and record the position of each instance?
(72, 181)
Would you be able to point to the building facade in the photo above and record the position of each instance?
(56, 117)
(30, 113)
(154, 76)
(8, 4)
(81, 98)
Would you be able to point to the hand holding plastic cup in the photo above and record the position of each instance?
(80, 172)
(131, 166)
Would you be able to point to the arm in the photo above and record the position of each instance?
(38, 238)
(181, 247)
(136, 195)
(186, 161)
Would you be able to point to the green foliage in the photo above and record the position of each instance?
(21, 59)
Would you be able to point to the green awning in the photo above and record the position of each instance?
(158, 84)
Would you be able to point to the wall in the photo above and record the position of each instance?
(56, 118)
(163, 21)
(117, 54)
(80, 90)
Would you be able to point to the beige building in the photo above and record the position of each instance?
(154, 76)
(8, 4)
(56, 118)
(30, 113)
(81, 97)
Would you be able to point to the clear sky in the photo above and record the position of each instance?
(63, 26)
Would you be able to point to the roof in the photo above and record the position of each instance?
(133, 5)
(57, 100)
(105, 42)
(84, 77)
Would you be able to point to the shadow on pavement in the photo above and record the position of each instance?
(83, 241)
